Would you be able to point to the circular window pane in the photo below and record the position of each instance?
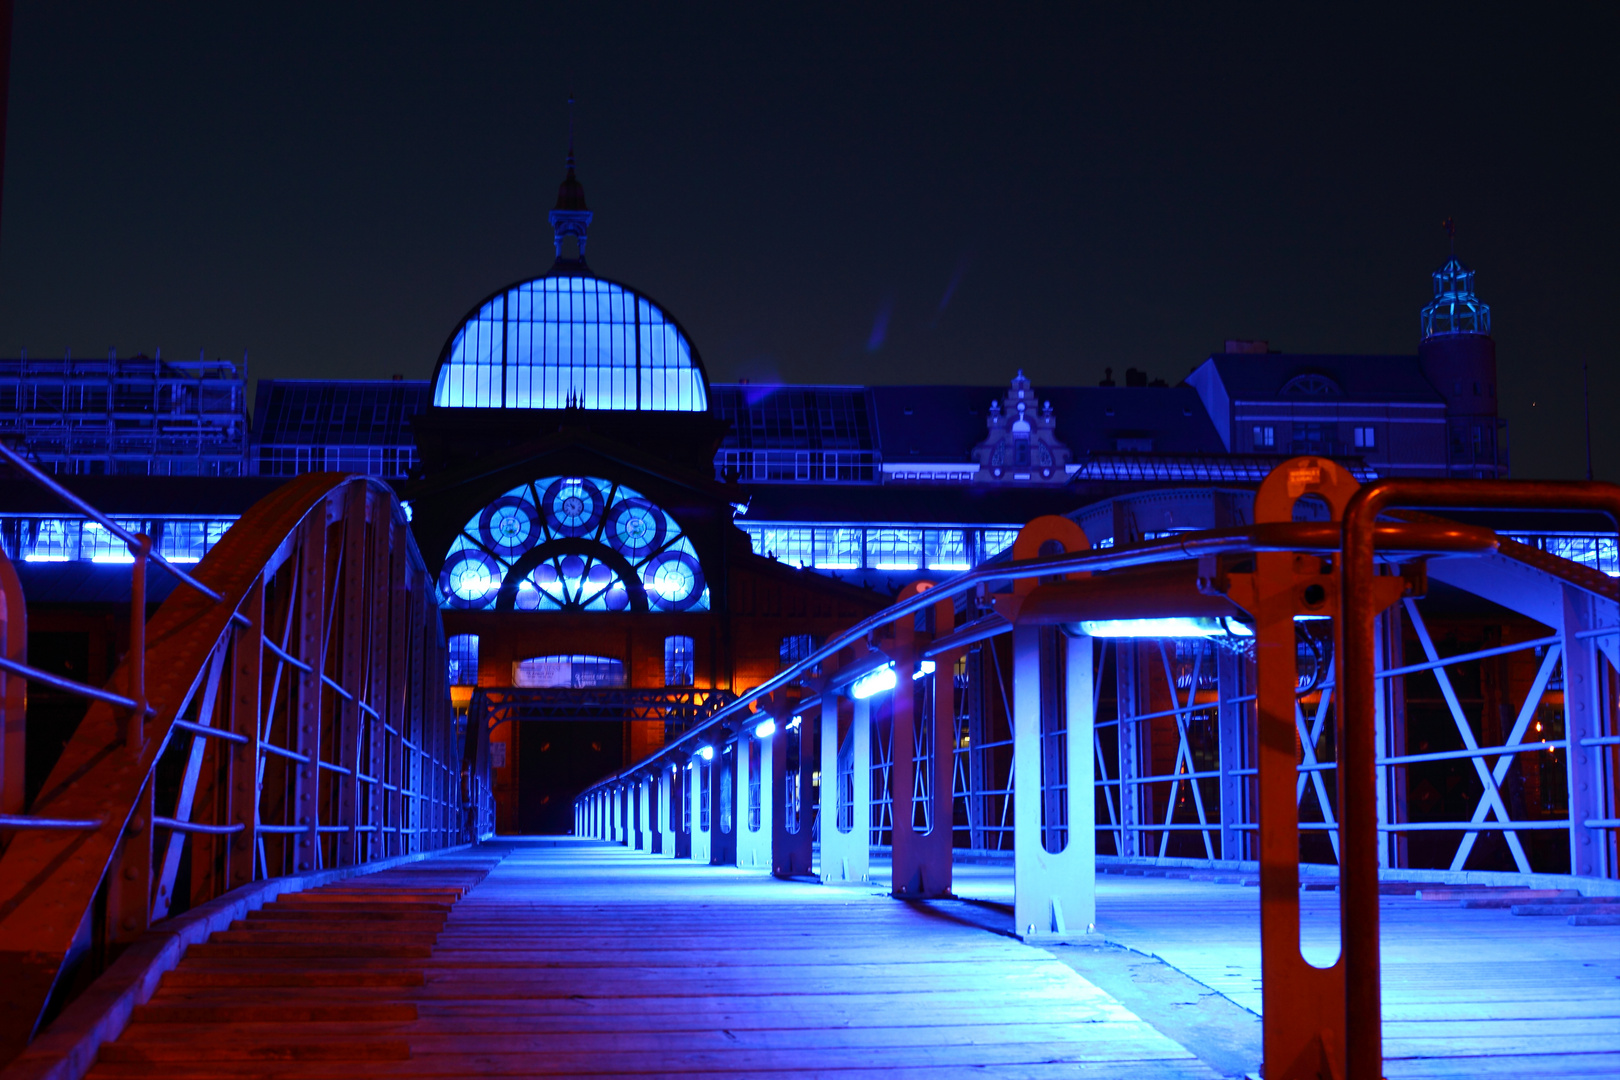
(509, 525)
(674, 581)
(635, 528)
(470, 579)
(573, 507)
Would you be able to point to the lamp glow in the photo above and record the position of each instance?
(926, 667)
(1179, 627)
(765, 730)
(706, 753)
(875, 682)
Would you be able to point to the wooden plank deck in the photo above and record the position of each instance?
(580, 959)
(1468, 991)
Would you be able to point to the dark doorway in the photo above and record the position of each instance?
(558, 759)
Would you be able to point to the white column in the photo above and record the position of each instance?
(754, 845)
(845, 856)
(1054, 893)
(700, 835)
(668, 808)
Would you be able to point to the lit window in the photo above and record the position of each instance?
(946, 549)
(894, 549)
(679, 661)
(1264, 435)
(588, 529)
(53, 540)
(796, 647)
(101, 545)
(464, 660)
(996, 541)
(560, 342)
(575, 672)
(1365, 438)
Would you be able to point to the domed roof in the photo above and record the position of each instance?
(1455, 308)
(570, 340)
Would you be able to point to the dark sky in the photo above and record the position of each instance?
(859, 194)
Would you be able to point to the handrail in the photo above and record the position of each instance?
(275, 569)
(59, 682)
(45, 481)
(1438, 537)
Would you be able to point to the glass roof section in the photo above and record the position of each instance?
(570, 341)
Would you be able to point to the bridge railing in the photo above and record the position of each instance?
(730, 790)
(286, 713)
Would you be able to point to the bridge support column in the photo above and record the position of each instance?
(700, 775)
(792, 853)
(1054, 862)
(667, 793)
(755, 799)
(724, 799)
(643, 797)
(846, 795)
(680, 808)
(1584, 678)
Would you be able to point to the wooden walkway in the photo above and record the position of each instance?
(1469, 990)
(578, 959)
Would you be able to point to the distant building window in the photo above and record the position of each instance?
(679, 661)
(796, 647)
(1264, 435)
(1307, 438)
(464, 660)
(576, 672)
(1365, 439)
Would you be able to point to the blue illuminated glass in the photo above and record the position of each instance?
(585, 528)
(560, 342)
(463, 650)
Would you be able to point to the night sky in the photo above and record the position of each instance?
(859, 194)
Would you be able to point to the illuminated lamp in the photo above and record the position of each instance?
(874, 682)
(706, 753)
(1175, 627)
(765, 730)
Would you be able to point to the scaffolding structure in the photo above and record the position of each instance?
(135, 416)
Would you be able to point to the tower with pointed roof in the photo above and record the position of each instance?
(1458, 357)
(571, 217)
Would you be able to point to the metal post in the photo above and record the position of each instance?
(1584, 702)
(1054, 890)
(846, 794)
(1235, 749)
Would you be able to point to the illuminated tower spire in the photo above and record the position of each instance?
(571, 217)
(1458, 357)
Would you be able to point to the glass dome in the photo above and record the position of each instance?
(570, 341)
(1455, 309)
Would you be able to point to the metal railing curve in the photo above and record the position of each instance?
(296, 700)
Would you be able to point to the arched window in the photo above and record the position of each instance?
(569, 672)
(679, 660)
(573, 542)
(463, 660)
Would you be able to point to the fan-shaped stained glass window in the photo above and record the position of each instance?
(570, 342)
(573, 543)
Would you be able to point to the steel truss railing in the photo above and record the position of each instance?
(1281, 737)
(296, 718)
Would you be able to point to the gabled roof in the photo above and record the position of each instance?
(944, 423)
(1262, 377)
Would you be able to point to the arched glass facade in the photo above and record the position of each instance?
(573, 542)
(566, 341)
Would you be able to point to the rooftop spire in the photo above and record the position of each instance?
(570, 217)
(1455, 309)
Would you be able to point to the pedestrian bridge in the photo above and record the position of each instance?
(568, 957)
(1015, 823)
